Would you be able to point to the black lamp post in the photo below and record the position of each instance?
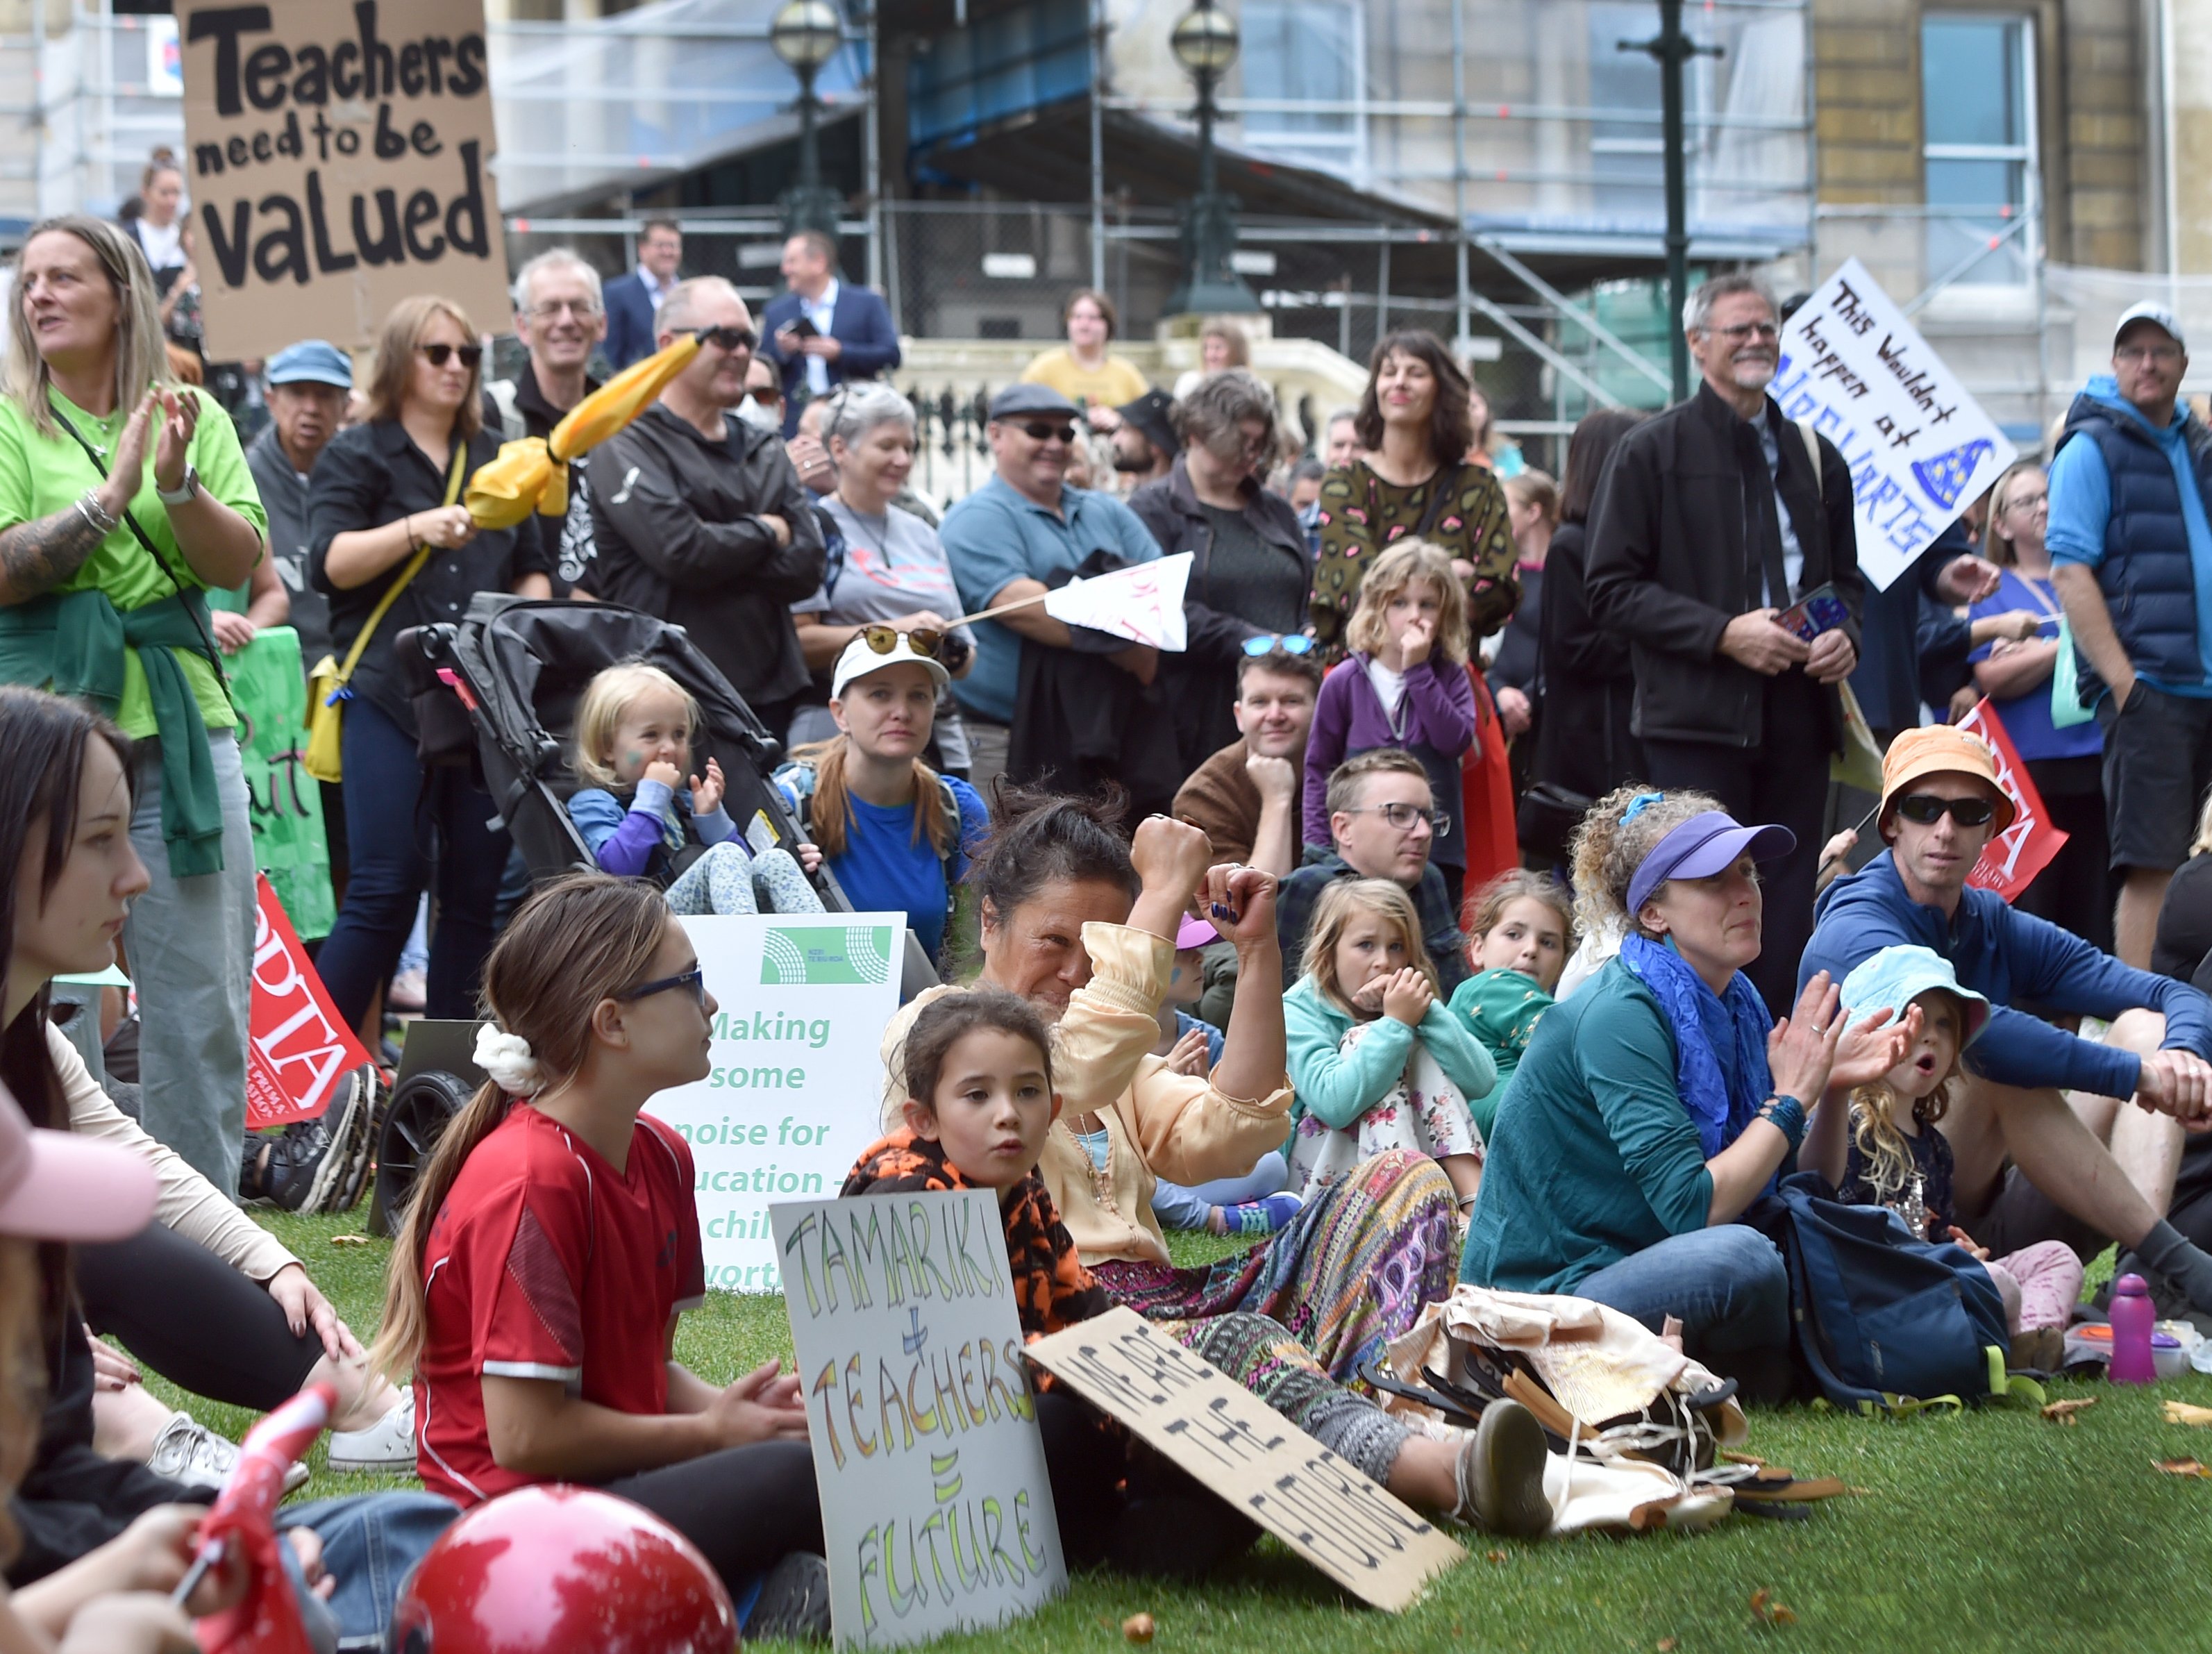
(1671, 49)
(805, 34)
(1205, 43)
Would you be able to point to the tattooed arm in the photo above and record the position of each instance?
(37, 556)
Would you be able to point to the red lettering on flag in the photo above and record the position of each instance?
(299, 1045)
(2011, 861)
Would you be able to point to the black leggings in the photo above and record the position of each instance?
(745, 1508)
(194, 1319)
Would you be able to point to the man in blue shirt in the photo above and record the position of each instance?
(1009, 539)
(2131, 557)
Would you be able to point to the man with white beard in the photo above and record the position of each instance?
(1716, 517)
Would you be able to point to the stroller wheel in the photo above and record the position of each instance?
(414, 1120)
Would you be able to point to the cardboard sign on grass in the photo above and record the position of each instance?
(1228, 1439)
(936, 1506)
(338, 154)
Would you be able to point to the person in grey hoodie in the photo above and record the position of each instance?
(2131, 555)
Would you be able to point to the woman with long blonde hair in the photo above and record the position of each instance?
(384, 508)
(124, 498)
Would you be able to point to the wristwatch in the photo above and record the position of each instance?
(188, 490)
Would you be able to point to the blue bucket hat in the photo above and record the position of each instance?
(311, 361)
(1895, 977)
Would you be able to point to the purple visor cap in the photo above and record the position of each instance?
(1701, 846)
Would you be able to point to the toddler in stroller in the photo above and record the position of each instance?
(641, 813)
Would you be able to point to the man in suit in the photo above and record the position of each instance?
(852, 337)
(632, 299)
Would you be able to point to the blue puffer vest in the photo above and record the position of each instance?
(2149, 579)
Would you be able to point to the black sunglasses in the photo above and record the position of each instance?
(692, 982)
(728, 338)
(440, 355)
(1926, 809)
(1039, 430)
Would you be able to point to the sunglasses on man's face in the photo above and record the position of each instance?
(1926, 809)
(440, 355)
(1040, 431)
(728, 338)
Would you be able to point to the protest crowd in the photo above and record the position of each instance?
(1487, 899)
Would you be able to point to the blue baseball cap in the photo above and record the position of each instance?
(1892, 978)
(311, 361)
(1701, 845)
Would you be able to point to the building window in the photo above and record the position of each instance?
(1978, 117)
(1302, 51)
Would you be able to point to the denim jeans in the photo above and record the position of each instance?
(190, 942)
(370, 1543)
(394, 813)
(1727, 1283)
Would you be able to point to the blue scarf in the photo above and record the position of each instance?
(1720, 1041)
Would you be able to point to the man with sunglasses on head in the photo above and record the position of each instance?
(2131, 542)
(701, 519)
(2031, 1163)
(1715, 518)
(1023, 531)
(561, 317)
(1382, 822)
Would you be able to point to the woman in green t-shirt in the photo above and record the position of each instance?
(124, 498)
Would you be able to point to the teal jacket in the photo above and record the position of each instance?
(1336, 1087)
(1593, 1157)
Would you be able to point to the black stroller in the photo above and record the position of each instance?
(498, 690)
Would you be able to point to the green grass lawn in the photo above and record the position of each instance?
(1993, 1530)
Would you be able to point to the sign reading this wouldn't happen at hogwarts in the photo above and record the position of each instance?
(936, 1503)
(795, 1086)
(1920, 449)
(338, 155)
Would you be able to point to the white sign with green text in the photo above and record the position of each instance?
(794, 1091)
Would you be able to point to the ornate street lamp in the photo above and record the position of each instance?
(806, 34)
(1205, 43)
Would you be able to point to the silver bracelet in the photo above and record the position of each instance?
(98, 515)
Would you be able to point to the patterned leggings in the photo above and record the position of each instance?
(1267, 1360)
(729, 879)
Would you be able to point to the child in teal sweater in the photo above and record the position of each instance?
(1523, 930)
(1378, 1062)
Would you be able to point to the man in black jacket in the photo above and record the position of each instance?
(701, 519)
(1713, 518)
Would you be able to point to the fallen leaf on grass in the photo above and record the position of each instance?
(2063, 1412)
(350, 1240)
(1667, 1644)
(1493, 1556)
(1138, 1628)
(2181, 1413)
(1764, 1610)
(2184, 1467)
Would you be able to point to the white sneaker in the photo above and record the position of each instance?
(386, 1447)
(186, 1450)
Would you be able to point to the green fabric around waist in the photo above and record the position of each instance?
(78, 644)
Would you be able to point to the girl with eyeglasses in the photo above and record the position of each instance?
(385, 511)
(553, 1244)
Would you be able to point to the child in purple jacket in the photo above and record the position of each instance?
(1405, 685)
(634, 730)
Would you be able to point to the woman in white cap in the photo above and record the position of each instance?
(1653, 1108)
(895, 833)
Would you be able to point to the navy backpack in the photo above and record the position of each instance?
(1880, 1318)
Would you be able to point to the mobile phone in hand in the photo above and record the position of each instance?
(1819, 611)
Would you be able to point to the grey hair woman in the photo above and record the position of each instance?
(123, 501)
(893, 574)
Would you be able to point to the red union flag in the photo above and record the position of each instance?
(299, 1045)
(2011, 860)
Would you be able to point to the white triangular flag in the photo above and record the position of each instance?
(1142, 603)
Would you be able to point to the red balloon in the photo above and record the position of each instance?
(557, 1569)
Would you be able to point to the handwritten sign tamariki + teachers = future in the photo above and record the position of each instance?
(338, 157)
(1921, 450)
(937, 1508)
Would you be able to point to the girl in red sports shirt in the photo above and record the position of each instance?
(553, 1242)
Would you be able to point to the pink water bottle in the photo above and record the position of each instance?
(2132, 1316)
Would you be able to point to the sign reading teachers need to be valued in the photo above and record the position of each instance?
(338, 156)
(794, 1088)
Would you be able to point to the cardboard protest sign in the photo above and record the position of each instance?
(2011, 861)
(289, 844)
(299, 1046)
(936, 1504)
(1921, 450)
(1233, 1443)
(338, 155)
(794, 1091)
(1142, 603)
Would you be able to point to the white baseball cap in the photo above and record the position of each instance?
(862, 656)
(2157, 315)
